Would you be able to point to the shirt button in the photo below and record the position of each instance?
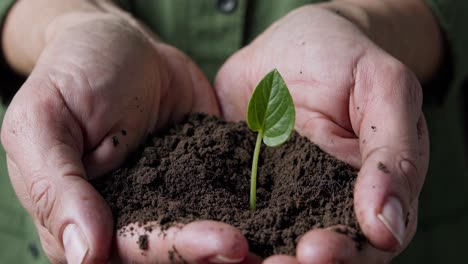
(226, 6)
(33, 249)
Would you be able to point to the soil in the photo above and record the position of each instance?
(200, 169)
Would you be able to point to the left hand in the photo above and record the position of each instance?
(358, 104)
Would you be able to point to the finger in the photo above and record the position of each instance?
(44, 147)
(183, 89)
(185, 73)
(252, 259)
(50, 245)
(281, 259)
(198, 242)
(395, 153)
(322, 125)
(111, 151)
(233, 86)
(324, 246)
(327, 127)
(327, 246)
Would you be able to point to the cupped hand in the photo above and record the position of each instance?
(357, 103)
(96, 91)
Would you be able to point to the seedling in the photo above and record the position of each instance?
(270, 113)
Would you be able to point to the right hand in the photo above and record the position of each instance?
(358, 104)
(92, 81)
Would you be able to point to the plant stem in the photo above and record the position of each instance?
(253, 182)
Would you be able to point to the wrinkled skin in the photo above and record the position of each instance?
(357, 103)
(104, 76)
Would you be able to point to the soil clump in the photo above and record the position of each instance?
(200, 169)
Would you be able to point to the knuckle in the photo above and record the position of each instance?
(50, 245)
(22, 120)
(412, 176)
(83, 89)
(405, 84)
(5, 133)
(395, 69)
(21, 117)
(43, 197)
(11, 125)
(402, 169)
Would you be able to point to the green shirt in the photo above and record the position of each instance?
(210, 31)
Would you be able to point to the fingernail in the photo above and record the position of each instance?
(392, 218)
(223, 259)
(75, 244)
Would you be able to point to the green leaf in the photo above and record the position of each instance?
(271, 110)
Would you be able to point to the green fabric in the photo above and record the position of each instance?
(442, 231)
(19, 242)
(18, 239)
(452, 17)
(203, 32)
(210, 37)
(5, 5)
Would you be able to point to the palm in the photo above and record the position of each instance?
(320, 72)
(97, 90)
(353, 100)
(113, 88)
(93, 82)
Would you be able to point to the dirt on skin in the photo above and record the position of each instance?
(200, 169)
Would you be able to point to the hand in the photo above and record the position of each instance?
(357, 103)
(99, 77)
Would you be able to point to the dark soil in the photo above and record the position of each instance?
(200, 169)
(143, 241)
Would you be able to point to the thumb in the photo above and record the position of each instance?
(44, 148)
(395, 154)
